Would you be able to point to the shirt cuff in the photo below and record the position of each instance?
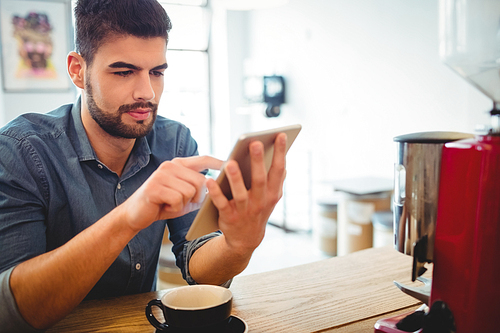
(188, 251)
(10, 317)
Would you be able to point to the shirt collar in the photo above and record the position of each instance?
(139, 158)
(79, 136)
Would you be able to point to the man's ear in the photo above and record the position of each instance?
(76, 69)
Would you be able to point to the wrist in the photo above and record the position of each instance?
(239, 250)
(217, 262)
(118, 223)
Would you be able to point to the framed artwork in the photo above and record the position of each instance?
(36, 36)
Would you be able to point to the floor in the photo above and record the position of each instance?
(279, 249)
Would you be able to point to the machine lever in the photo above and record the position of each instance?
(422, 293)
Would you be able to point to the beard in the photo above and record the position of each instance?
(113, 124)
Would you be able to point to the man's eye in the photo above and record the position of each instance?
(157, 73)
(124, 73)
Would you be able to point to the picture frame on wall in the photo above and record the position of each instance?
(36, 36)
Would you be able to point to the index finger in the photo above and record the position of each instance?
(199, 163)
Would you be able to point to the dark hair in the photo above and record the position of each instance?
(97, 21)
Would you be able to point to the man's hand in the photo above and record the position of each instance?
(242, 219)
(176, 188)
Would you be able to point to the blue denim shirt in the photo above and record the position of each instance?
(53, 186)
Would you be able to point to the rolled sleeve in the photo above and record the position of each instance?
(10, 317)
(188, 251)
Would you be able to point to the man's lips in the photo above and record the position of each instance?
(139, 114)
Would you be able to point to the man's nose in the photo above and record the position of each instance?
(144, 89)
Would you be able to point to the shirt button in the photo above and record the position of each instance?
(137, 266)
(119, 186)
(99, 166)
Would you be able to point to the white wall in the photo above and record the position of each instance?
(359, 72)
(15, 104)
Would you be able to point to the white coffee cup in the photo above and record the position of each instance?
(197, 307)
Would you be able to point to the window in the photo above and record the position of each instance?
(186, 97)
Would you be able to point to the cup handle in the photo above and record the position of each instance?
(151, 318)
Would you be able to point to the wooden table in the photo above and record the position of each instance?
(341, 294)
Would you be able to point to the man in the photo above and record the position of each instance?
(86, 190)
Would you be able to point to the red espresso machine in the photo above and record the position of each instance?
(467, 239)
(458, 229)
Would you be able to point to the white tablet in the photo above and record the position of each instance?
(206, 221)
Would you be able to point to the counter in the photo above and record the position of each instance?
(342, 294)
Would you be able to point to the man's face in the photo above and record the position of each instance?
(124, 84)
